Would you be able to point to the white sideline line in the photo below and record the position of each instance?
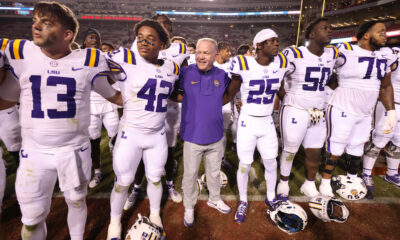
(258, 198)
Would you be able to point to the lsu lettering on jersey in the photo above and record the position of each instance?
(307, 76)
(145, 88)
(360, 73)
(259, 83)
(54, 110)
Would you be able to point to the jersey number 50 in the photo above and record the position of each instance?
(317, 84)
(70, 83)
(150, 87)
(267, 88)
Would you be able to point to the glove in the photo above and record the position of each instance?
(315, 115)
(390, 121)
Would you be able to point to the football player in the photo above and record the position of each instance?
(351, 104)
(101, 112)
(107, 47)
(262, 77)
(55, 85)
(379, 138)
(177, 52)
(147, 84)
(302, 111)
(222, 61)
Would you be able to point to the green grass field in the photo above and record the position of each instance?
(256, 181)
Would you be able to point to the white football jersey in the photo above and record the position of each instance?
(54, 110)
(145, 88)
(360, 73)
(259, 83)
(308, 74)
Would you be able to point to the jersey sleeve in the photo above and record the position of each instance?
(178, 52)
(238, 63)
(97, 64)
(115, 60)
(14, 54)
(343, 49)
(291, 67)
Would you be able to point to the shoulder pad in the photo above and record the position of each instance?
(243, 62)
(92, 57)
(296, 52)
(335, 51)
(283, 60)
(16, 49)
(129, 56)
(3, 43)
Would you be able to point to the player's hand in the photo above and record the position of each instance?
(390, 121)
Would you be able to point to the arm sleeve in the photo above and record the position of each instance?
(290, 58)
(102, 87)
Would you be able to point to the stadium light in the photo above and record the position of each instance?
(17, 8)
(353, 39)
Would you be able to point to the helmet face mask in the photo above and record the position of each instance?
(289, 217)
(329, 209)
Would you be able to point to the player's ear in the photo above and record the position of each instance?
(68, 35)
(258, 46)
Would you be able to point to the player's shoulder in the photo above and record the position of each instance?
(281, 60)
(332, 51)
(17, 49)
(293, 52)
(346, 47)
(244, 62)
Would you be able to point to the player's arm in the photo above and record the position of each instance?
(232, 89)
(386, 94)
(4, 104)
(177, 93)
(281, 92)
(102, 87)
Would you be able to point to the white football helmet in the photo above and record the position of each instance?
(288, 217)
(323, 208)
(222, 176)
(143, 229)
(349, 188)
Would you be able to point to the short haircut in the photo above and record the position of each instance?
(161, 31)
(214, 43)
(179, 38)
(191, 45)
(365, 27)
(60, 13)
(310, 27)
(222, 46)
(108, 44)
(242, 49)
